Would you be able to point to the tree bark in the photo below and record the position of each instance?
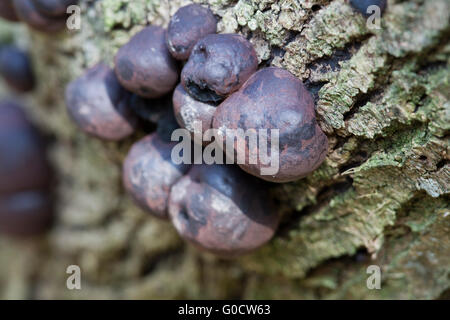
(380, 198)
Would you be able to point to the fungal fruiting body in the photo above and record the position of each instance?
(274, 99)
(188, 25)
(99, 105)
(29, 13)
(188, 111)
(218, 65)
(15, 68)
(144, 65)
(218, 208)
(25, 199)
(221, 209)
(148, 173)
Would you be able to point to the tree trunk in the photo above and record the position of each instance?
(380, 198)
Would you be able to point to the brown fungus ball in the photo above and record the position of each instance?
(188, 111)
(218, 65)
(144, 65)
(275, 99)
(221, 209)
(99, 105)
(16, 69)
(148, 173)
(188, 25)
(54, 8)
(25, 197)
(28, 13)
(7, 11)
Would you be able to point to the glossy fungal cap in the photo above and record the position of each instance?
(221, 209)
(99, 105)
(15, 68)
(363, 5)
(28, 13)
(188, 110)
(7, 11)
(274, 99)
(23, 163)
(218, 65)
(144, 65)
(188, 25)
(148, 174)
(25, 201)
(54, 8)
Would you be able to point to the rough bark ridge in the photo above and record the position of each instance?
(381, 197)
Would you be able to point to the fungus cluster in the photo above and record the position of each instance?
(220, 208)
(25, 198)
(41, 15)
(169, 79)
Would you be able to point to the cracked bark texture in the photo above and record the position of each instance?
(380, 197)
